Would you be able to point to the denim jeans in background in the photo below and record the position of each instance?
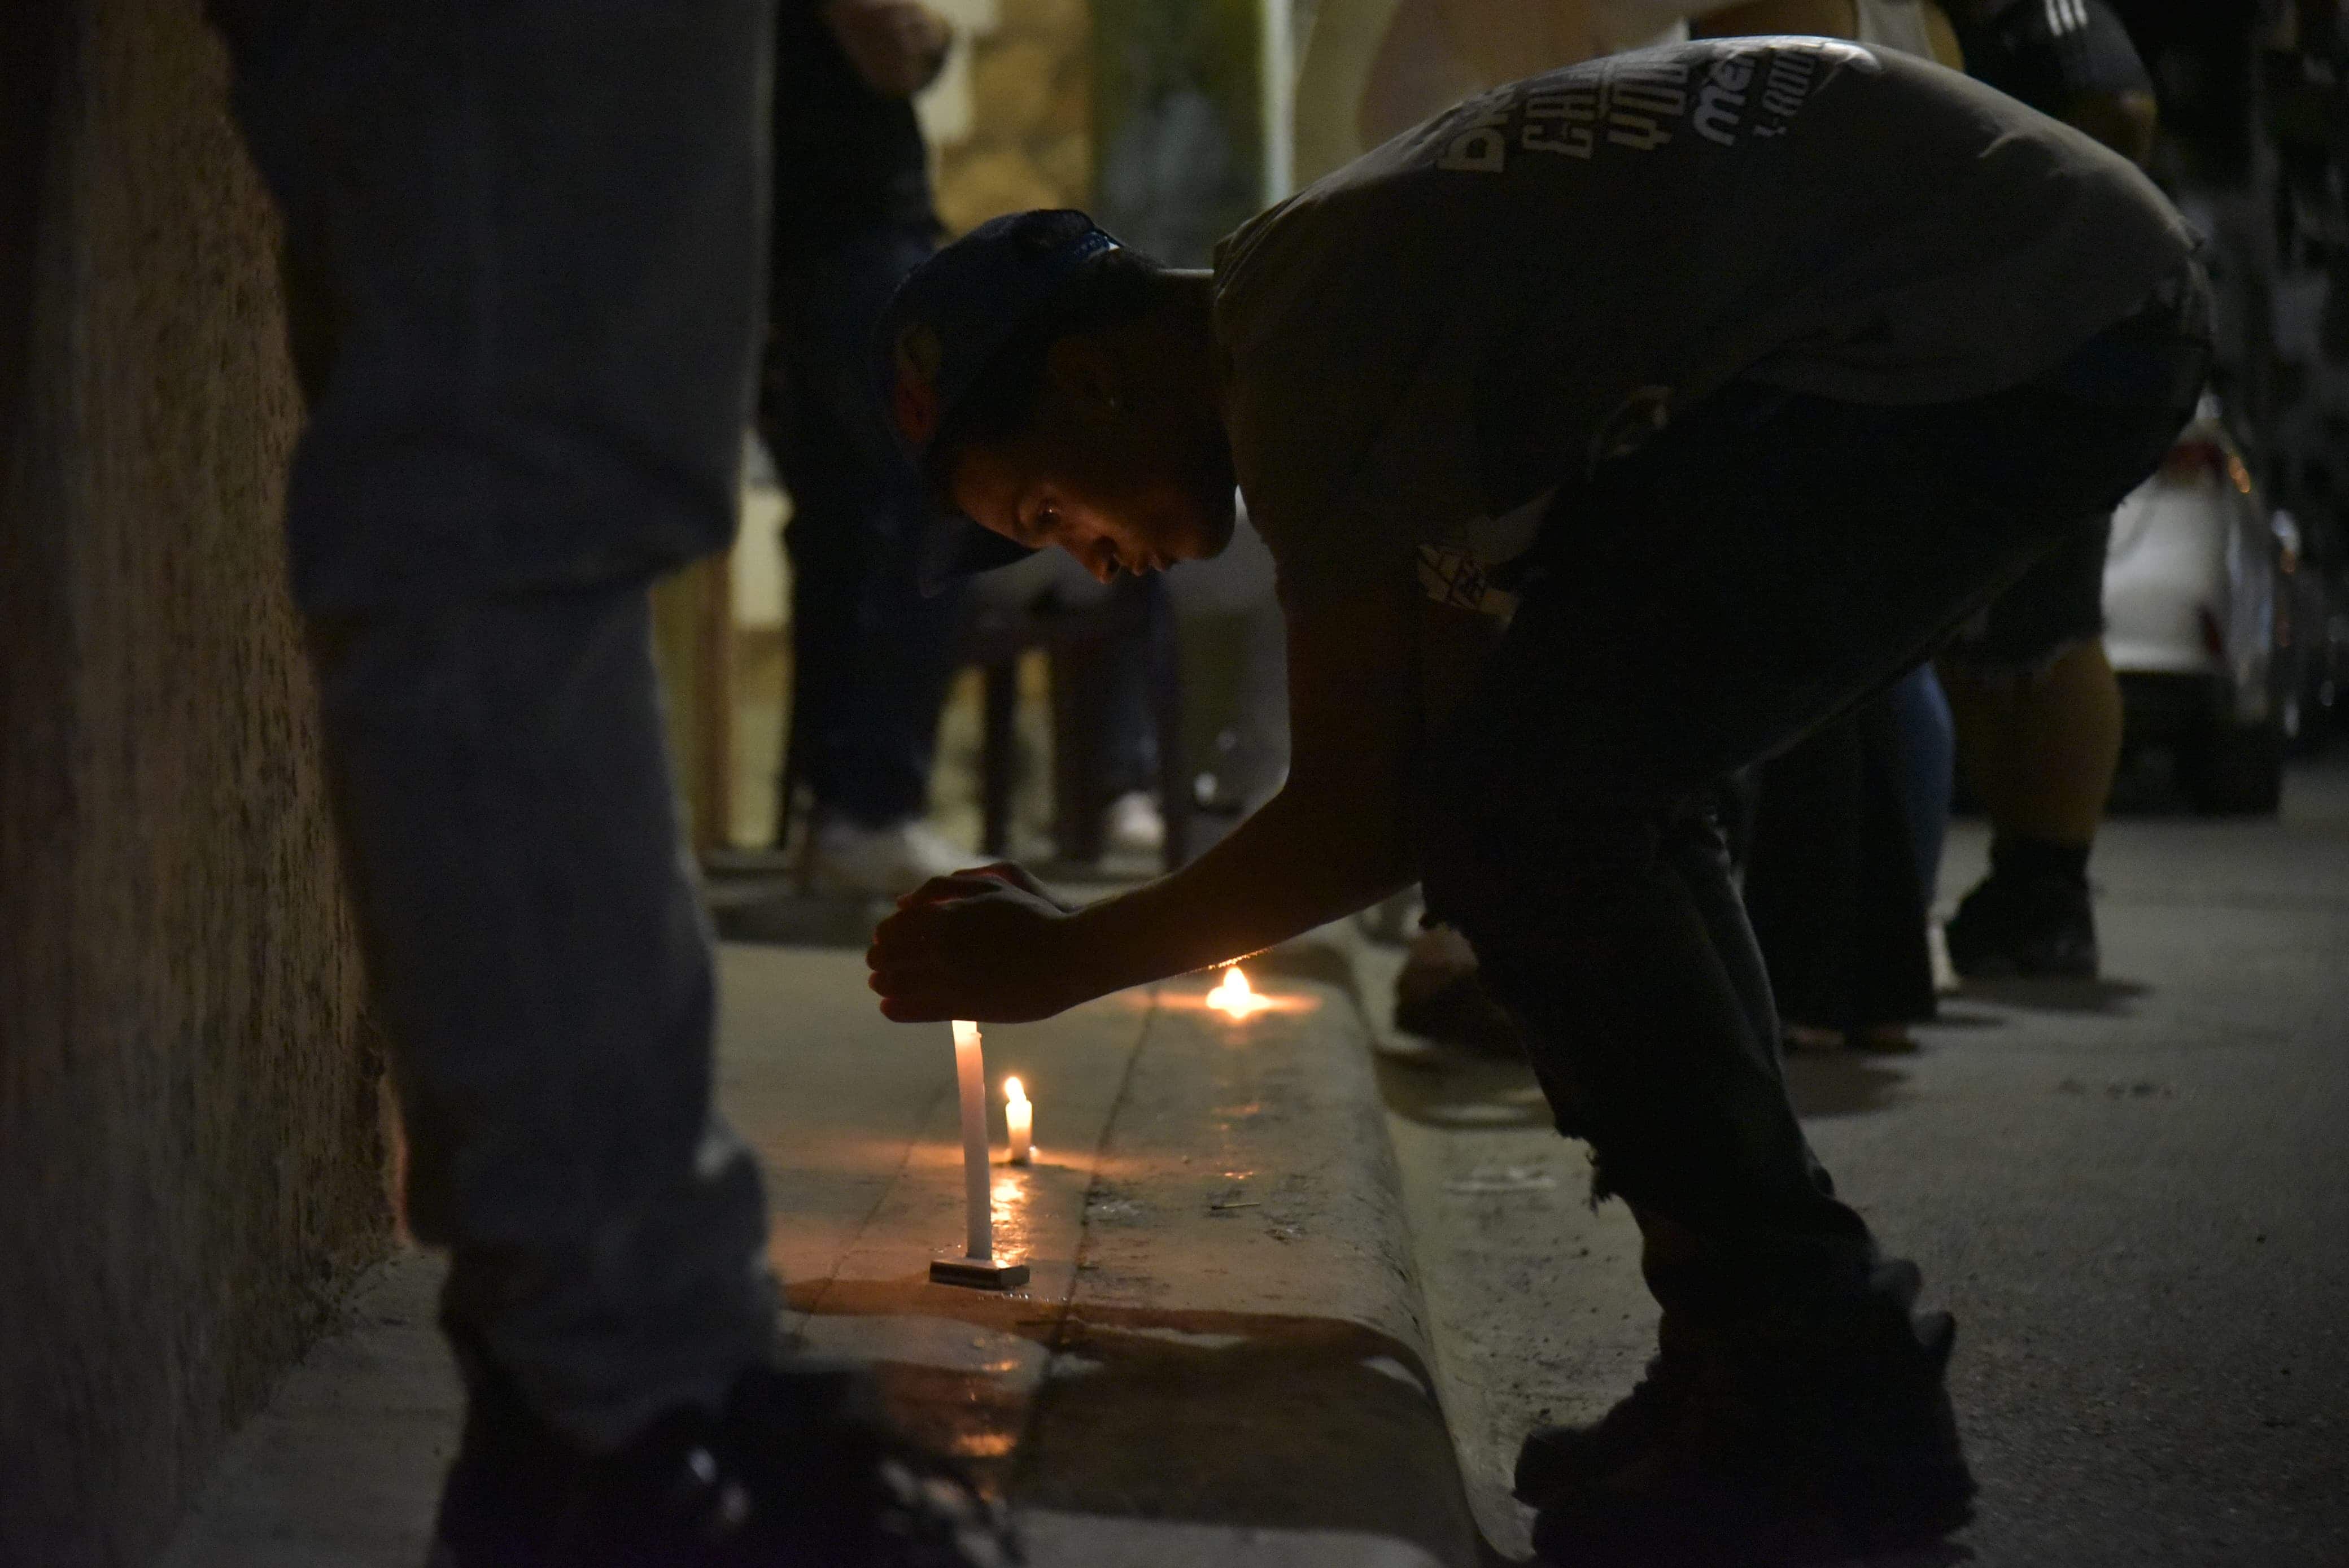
(524, 251)
(1925, 752)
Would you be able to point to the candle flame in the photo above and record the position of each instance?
(1234, 997)
(1012, 1093)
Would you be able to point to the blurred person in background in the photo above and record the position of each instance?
(523, 269)
(2038, 707)
(1832, 888)
(871, 652)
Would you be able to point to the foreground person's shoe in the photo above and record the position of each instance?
(845, 857)
(2031, 926)
(1558, 1461)
(795, 1474)
(1746, 1457)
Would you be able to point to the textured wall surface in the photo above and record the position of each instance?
(190, 1160)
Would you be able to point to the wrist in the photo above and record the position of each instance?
(1082, 961)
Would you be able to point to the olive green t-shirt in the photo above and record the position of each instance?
(1447, 329)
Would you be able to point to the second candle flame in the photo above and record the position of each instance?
(1020, 1120)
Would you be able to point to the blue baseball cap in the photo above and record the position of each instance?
(946, 324)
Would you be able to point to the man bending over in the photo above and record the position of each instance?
(1610, 430)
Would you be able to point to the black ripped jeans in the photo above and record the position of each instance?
(1769, 561)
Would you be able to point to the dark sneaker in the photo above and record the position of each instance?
(1734, 1458)
(2031, 926)
(797, 1472)
(1554, 1460)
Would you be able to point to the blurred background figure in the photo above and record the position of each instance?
(1834, 889)
(2038, 709)
(871, 653)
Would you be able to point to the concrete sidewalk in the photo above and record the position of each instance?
(2134, 1193)
(1220, 1359)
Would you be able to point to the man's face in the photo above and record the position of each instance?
(1118, 475)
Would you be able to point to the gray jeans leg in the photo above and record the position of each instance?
(525, 244)
(541, 958)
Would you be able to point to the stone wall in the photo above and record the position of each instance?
(190, 1155)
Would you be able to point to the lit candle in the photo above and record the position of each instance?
(1233, 998)
(970, 1076)
(1020, 1117)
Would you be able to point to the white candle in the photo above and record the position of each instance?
(970, 1076)
(1020, 1117)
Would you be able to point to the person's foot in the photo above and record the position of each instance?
(1439, 996)
(1830, 1442)
(1808, 1039)
(1556, 1460)
(1936, 951)
(796, 1473)
(2013, 924)
(846, 857)
(1869, 1039)
(1882, 1040)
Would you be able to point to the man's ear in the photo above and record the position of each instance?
(1085, 375)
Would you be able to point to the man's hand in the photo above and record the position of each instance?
(898, 47)
(979, 944)
(991, 944)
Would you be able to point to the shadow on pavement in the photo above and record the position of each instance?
(1250, 1420)
(1949, 1017)
(1842, 1084)
(1452, 1088)
(2111, 997)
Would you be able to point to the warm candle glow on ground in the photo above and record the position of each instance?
(1234, 997)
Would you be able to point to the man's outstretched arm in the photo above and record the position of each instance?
(1333, 841)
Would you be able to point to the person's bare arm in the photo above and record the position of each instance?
(1332, 841)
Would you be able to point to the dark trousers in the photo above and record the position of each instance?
(1763, 565)
(870, 657)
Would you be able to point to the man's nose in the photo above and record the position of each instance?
(1100, 558)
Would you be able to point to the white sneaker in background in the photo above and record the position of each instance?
(1946, 981)
(845, 858)
(1136, 827)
